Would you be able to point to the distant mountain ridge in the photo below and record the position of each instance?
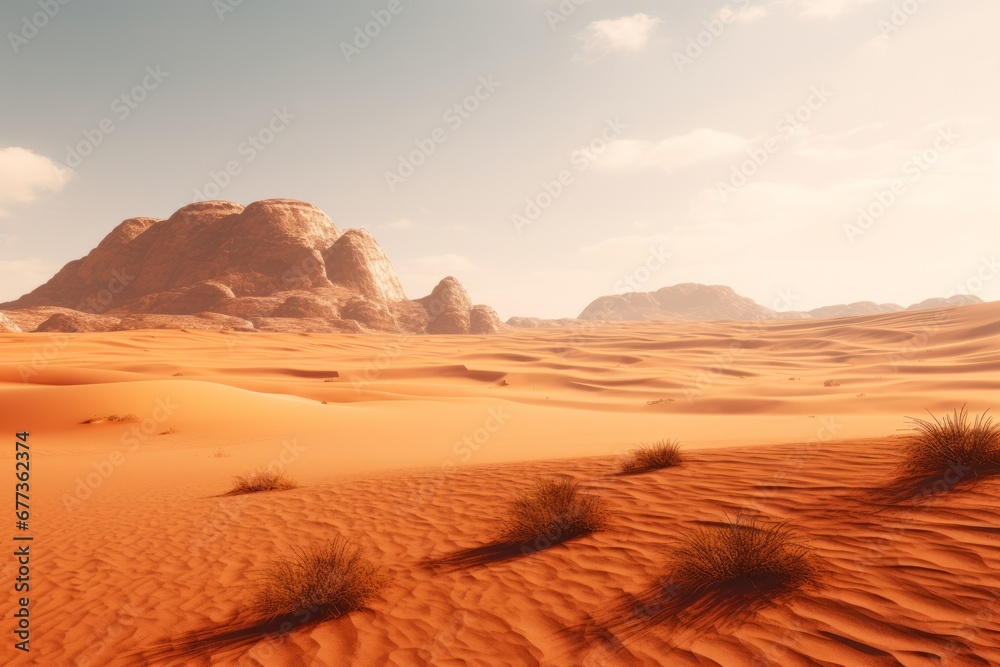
(694, 301)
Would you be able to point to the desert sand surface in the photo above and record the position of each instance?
(407, 445)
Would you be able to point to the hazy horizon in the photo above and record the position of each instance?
(830, 150)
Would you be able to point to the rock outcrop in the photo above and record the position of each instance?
(688, 301)
(957, 300)
(357, 261)
(484, 320)
(7, 325)
(275, 265)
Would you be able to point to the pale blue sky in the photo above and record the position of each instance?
(880, 98)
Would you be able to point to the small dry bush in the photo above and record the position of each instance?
(261, 480)
(662, 454)
(552, 511)
(745, 553)
(128, 419)
(117, 419)
(955, 442)
(327, 579)
(831, 383)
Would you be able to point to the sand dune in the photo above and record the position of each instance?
(407, 445)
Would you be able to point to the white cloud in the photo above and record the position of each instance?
(747, 14)
(628, 34)
(402, 223)
(671, 154)
(24, 175)
(812, 10)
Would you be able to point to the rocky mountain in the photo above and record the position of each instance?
(275, 265)
(691, 301)
(957, 300)
(688, 301)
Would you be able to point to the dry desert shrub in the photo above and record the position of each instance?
(260, 480)
(117, 419)
(955, 442)
(831, 383)
(552, 511)
(655, 456)
(328, 579)
(744, 553)
(126, 419)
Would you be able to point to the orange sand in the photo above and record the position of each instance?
(136, 553)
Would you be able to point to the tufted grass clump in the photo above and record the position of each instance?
(655, 456)
(745, 553)
(327, 579)
(259, 481)
(956, 441)
(552, 511)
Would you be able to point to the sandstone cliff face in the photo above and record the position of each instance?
(275, 265)
(484, 320)
(357, 261)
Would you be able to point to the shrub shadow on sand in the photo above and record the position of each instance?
(239, 633)
(324, 581)
(943, 454)
(551, 512)
(719, 576)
